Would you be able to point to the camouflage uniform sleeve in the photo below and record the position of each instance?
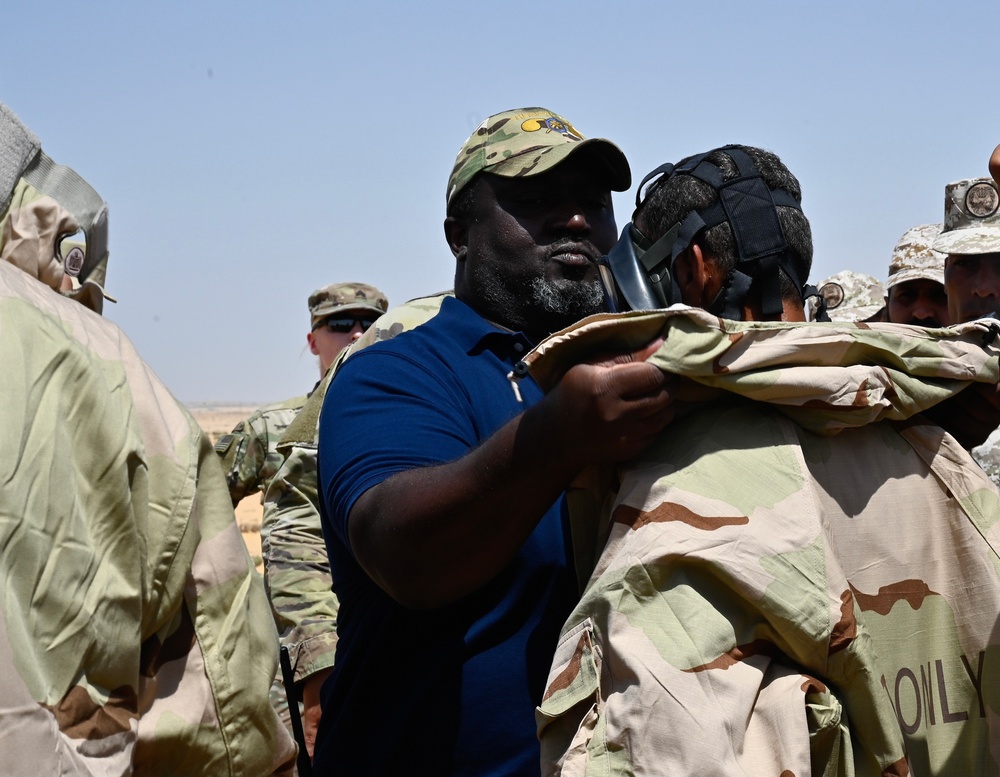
(243, 452)
(296, 567)
(206, 709)
(249, 453)
(148, 647)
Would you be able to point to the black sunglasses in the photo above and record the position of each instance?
(344, 325)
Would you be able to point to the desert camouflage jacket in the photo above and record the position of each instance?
(296, 567)
(134, 632)
(249, 453)
(782, 586)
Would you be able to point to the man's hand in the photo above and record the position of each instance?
(430, 536)
(971, 415)
(610, 409)
(311, 707)
(995, 164)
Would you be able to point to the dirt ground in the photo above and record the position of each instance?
(216, 420)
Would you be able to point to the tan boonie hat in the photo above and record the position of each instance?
(529, 141)
(971, 218)
(850, 297)
(346, 297)
(914, 259)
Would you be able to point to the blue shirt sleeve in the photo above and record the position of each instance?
(385, 413)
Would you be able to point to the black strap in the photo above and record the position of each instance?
(749, 206)
(666, 169)
(822, 313)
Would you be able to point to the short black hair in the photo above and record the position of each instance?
(464, 202)
(672, 198)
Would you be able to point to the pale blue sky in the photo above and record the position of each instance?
(251, 152)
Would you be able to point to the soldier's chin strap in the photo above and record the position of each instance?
(749, 206)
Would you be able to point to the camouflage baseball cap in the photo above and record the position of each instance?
(850, 297)
(344, 297)
(971, 218)
(914, 259)
(529, 141)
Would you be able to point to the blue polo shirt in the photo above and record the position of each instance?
(450, 691)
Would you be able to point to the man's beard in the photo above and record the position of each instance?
(567, 300)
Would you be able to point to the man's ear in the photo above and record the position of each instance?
(693, 275)
(311, 338)
(457, 235)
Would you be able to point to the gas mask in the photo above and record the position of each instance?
(53, 225)
(638, 273)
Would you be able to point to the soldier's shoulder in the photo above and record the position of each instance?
(280, 413)
(292, 403)
(405, 317)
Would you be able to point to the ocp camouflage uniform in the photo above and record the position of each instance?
(782, 586)
(249, 453)
(134, 632)
(296, 568)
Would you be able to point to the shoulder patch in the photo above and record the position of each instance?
(223, 443)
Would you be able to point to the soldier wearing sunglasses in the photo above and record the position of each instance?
(340, 313)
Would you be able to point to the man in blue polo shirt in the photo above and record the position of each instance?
(443, 483)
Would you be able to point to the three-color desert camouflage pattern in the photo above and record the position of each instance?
(783, 586)
(296, 567)
(249, 453)
(134, 631)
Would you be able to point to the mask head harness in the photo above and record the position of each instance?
(638, 273)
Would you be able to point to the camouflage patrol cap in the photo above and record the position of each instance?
(529, 141)
(914, 259)
(850, 297)
(971, 218)
(346, 297)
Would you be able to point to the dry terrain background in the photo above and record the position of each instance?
(216, 420)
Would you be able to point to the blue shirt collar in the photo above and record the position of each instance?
(475, 334)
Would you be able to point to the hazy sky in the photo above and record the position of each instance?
(251, 152)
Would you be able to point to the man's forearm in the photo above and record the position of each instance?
(430, 536)
(433, 535)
